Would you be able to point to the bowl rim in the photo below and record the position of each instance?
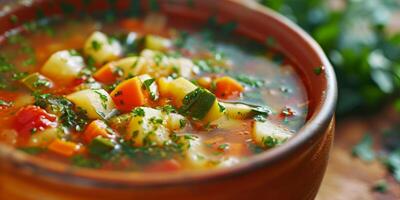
(321, 117)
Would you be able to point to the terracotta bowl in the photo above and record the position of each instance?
(292, 171)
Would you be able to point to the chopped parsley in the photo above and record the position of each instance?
(69, 118)
(41, 83)
(168, 109)
(249, 80)
(270, 141)
(146, 84)
(223, 147)
(138, 112)
(182, 123)
(96, 45)
(103, 98)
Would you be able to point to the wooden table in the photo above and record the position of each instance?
(349, 178)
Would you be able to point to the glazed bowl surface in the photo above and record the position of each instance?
(291, 171)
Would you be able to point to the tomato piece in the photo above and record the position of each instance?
(164, 166)
(33, 118)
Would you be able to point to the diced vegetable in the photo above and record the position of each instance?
(149, 85)
(100, 146)
(44, 138)
(106, 74)
(30, 119)
(194, 151)
(157, 43)
(128, 95)
(63, 148)
(237, 110)
(178, 89)
(216, 111)
(163, 86)
(193, 101)
(175, 121)
(120, 122)
(97, 103)
(197, 103)
(102, 48)
(126, 67)
(94, 129)
(63, 66)
(267, 134)
(36, 81)
(227, 87)
(158, 64)
(147, 127)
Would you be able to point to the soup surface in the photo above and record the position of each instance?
(144, 94)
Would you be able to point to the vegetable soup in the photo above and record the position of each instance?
(145, 94)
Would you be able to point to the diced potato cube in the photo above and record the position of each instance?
(163, 86)
(102, 48)
(157, 43)
(130, 66)
(175, 121)
(237, 111)
(147, 127)
(194, 154)
(179, 88)
(97, 103)
(268, 134)
(185, 67)
(63, 67)
(160, 65)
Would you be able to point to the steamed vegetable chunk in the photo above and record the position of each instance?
(268, 134)
(139, 96)
(97, 103)
(63, 66)
(147, 127)
(102, 48)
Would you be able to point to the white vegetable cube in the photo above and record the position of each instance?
(175, 121)
(97, 103)
(63, 66)
(194, 154)
(237, 111)
(102, 48)
(147, 127)
(268, 134)
(179, 88)
(130, 66)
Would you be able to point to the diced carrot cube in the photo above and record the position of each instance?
(128, 95)
(227, 87)
(105, 74)
(94, 129)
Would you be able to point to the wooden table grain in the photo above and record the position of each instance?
(349, 178)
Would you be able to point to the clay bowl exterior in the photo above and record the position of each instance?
(293, 171)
